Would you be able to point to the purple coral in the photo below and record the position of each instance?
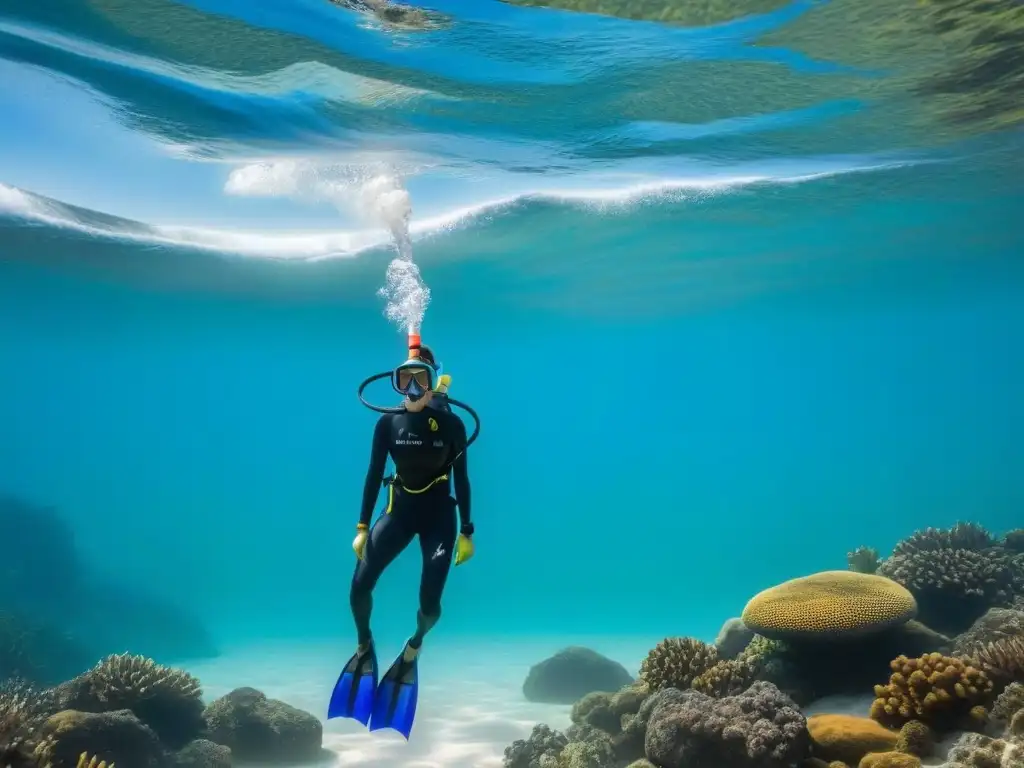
(759, 728)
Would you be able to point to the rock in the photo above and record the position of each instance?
(571, 674)
(115, 737)
(203, 754)
(733, 638)
(258, 729)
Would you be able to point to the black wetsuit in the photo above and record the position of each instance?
(424, 446)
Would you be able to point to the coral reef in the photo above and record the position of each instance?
(956, 575)
(676, 661)
(572, 673)
(736, 703)
(760, 728)
(131, 711)
(944, 692)
(830, 604)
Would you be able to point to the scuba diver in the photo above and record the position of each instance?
(427, 442)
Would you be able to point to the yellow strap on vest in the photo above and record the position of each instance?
(428, 486)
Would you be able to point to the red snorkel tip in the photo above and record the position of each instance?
(414, 344)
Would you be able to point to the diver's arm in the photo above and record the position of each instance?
(460, 474)
(375, 472)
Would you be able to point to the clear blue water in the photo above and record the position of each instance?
(715, 343)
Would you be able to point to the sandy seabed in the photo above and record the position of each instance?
(471, 703)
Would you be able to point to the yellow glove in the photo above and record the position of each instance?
(359, 542)
(464, 549)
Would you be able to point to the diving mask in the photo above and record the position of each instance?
(414, 378)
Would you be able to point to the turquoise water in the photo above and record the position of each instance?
(715, 343)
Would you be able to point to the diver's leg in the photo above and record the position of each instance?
(388, 538)
(437, 542)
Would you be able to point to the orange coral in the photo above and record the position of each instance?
(848, 738)
(829, 604)
(942, 691)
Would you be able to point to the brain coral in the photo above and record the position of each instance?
(830, 604)
(941, 691)
(676, 661)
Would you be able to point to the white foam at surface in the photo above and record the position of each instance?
(314, 246)
(471, 704)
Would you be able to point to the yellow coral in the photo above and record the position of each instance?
(829, 604)
(848, 738)
(942, 691)
(916, 738)
(84, 761)
(727, 678)
(889, 760)
(676, 661)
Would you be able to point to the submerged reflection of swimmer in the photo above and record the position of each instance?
(427, 443)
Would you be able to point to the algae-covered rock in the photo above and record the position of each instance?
(259, 729)
(571, 674)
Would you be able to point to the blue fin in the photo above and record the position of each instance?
(354, 692)
(395, 704)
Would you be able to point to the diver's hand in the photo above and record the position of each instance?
(464, 549)
(359, 543)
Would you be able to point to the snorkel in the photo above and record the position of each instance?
(414, 391)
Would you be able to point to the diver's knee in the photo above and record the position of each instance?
(429, 613)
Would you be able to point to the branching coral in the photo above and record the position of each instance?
(942, 691)
(956, 574)
(85, 761)
(676, 661)
(1002, 659)
(23, 710)
(960, 536)
(956, 586)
